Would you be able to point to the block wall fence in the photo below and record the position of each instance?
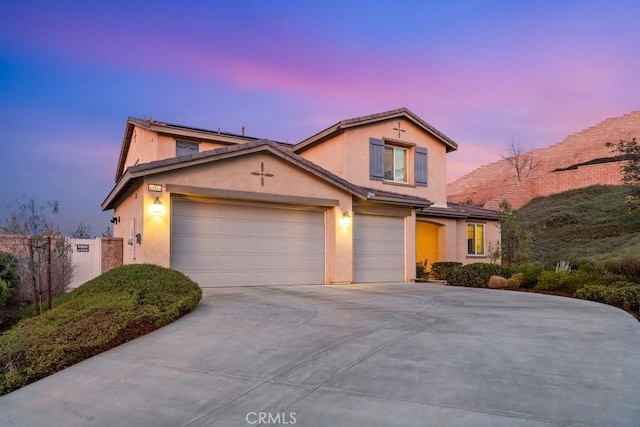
(490, 184)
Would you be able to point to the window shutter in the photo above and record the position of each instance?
(376, 159)
(421, 166)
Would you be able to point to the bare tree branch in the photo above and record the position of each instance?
(523, 162)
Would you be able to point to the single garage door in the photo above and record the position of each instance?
(218, 244)
(378, 249)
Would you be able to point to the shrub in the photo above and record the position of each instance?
(589, 266)
(553, 281)
(497, 282)
(5, 293)
(516, 280)
(623, 295)
(421, 272)
(566, 281)
(475, 275)
(9, 272)
(113, 308)
(571, 281)
(531, 274)
(440, 269)
(628, 267)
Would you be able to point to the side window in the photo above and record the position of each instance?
(184, 148)
(395, 164)
(475, 239)
(389, 162)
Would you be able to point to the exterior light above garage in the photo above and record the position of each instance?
(346, 219)
(157, 208)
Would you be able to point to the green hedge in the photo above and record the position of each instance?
(531, 274)
(118, 306)
(476, 275)
(440, 269)
(623, 295)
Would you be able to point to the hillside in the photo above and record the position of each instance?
(563, 166)
(588, 223)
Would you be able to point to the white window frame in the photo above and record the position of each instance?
(474, 239)
(397, 177)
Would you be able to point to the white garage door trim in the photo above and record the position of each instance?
(379, 249)
(229, 244)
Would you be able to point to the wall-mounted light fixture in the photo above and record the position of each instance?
(115, 220)
(346, 218)
(157, 208)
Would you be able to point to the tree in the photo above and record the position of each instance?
(42, 253)
(82, 231)
(516, 239)
(522, 162)
(9, 277)
(630, 151)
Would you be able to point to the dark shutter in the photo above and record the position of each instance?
(376, 159)
(421, 166)
(184, 148)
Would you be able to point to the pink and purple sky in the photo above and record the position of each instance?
(482, 72)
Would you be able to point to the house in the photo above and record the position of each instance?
(361, 201)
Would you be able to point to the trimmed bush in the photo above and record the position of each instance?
(515, 281)
(497, 282)
(118, 306)
(476, 275)
(570, 282)
(440, 269)
(531, 274)
(554, 281)
(623, 295)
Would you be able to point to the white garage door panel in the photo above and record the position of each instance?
(378, 249)
(226, 245)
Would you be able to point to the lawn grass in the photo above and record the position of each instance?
(118, 306)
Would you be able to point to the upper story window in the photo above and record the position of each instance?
(184, 148)
(475, 239)
(393, 162)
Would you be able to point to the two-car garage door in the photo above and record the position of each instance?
(218, 244)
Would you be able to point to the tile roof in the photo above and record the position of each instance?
(135, 173)
(380, 195)
(458, 210)
(387, 115)
(177, 130)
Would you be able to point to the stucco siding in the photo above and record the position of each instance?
(347, 155)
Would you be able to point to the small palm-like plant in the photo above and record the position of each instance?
(563, 265)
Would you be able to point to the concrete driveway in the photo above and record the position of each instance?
(358, 355)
